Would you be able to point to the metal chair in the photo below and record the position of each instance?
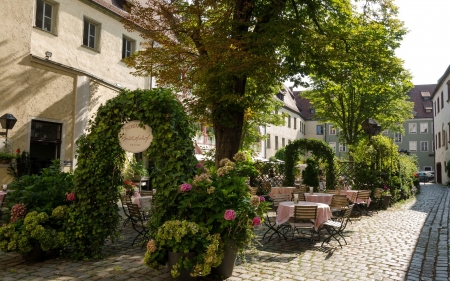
(276, 229)
(338, 205)
(124, 200)
(332, 191)
(138, 223)
(301, 195)
(253, 190)
(335, 228)
(304, 217)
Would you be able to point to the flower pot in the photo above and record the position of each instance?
(225, 269)
(184, 273)
(36, 254)
(5, 161)
(386, 201)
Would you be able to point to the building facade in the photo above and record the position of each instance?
(60, 59)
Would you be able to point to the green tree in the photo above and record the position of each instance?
(361, 77)
(227, 56)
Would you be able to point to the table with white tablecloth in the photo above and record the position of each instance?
(324, 198)
(282, 190)
(286, 210)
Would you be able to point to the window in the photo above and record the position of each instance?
(128, 46)
(280, 96)
(45, 15)
(332, 145)
(413, 146)
(442, 99)
(412, 128)
(439, 139)
(437, 105)
(282, 142)
(342, 147)
(332, 130)
(320, 130)
(435, 111)
(276, 142)
(397, 137)
(423, 128)
(423, 146)
(312, 111)
(289, 121)
(432, 146)
(91, 34)
(295, 123)
(268, 141)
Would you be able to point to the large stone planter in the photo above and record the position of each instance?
(386, 201)
(36, 254)
(184, 273)
(225, 269)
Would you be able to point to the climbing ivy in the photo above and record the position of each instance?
(94, 216)
(320, 151)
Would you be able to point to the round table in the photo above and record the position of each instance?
(319, 198)
(282, 190)
(286, 210)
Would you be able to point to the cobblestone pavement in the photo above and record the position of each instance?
(408, 241)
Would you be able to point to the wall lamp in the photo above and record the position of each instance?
(371, 127)
(48, 55)
(7, 121)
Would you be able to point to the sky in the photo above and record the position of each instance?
(426, 48)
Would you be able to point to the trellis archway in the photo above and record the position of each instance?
(319, 149)
(94, 216)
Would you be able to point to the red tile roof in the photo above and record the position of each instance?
(415, 95)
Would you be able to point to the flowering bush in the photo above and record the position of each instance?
(70, 196)
(130, 188)
(184, 237)
(18, 211)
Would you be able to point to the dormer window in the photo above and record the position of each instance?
(312, 111)
(425, 95)
(428, 109)
(280, 96)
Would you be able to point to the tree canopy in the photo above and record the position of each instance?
(229, 55)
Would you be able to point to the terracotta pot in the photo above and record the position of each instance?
(225, 269)
(386, 201)
(36, 254)
(184, 273)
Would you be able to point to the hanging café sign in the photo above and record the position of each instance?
(134, 138)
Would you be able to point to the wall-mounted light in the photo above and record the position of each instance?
(7, 121)
(48, 55)
(371, 127)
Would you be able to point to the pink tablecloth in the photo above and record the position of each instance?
(324, 198)
(286, 210)
(142, 201)
(281, 190)
(351, 193)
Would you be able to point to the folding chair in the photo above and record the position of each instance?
(301, 195)
(277, 198)
(304, 217)
(335, 228)
(146, 193)
(362, 201)
(124, 200)
(253, 190)
(332, 191)
(138, 223)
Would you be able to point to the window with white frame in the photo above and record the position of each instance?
(333, 146)
(398, 137)
(91, 34)
(46, 15)
(128, 46)
(332, 130)
(342, 147)
(424, 128)
(424, 146)
(412, 128)
(413, 146)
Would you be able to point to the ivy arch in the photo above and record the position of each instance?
(320, 150)
(94, 215)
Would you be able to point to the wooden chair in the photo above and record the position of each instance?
(253, 190)
(301, 195)
(270, 222)
(335, 228)
(362, 201)
(146, 193)
(124, 200)
(304, 217)
(138, 223)
(332, 191)
(266, 187)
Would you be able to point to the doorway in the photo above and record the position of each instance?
(45, 144)
(438, 172)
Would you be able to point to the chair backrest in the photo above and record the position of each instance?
(253, 190)
(332, 191)
(146, 193)
(363, 195)
(134, 212)
(301, 196)
(277, 198)
(377, 193)
(124, 199)
(338, 201)
(303, 188)
(305, 212)
(346, 217)
(266, 187)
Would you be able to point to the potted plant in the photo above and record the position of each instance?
(189, 249)
(6, 157)
(386, 197)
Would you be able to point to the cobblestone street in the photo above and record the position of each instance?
(408, 241)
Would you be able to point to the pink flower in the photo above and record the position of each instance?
(262, 199)
(229, 215)
(185, 187)
(256, 221)
(70, 196)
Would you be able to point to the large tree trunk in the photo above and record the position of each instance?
(228, 138)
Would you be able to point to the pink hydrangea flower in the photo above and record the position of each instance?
(262, 199)
(256, 221)
(185, 187)
(229, 215)
(70, 196)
